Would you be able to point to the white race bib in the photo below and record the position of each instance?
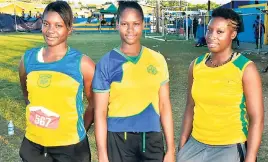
(43, 117)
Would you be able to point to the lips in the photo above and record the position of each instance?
(212, 45)
(130, 36)
(50, 38)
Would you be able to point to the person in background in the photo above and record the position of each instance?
(195, 25)
(259, 30)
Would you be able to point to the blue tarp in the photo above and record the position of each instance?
(248, 20)
(7, 24)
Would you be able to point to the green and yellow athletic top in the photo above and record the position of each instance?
(220, 108)
(133, 85)
(55, 111)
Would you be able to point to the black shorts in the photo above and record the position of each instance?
(135, 147)
(32, 152)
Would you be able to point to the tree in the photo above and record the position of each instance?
(191, 7)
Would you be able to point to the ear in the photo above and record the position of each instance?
(70, 30)
(117, 25)
(234, 34)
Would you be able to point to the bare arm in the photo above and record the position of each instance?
(187, 123)
(101, 104)
(166, 118)
(23, 77)
(88, 68)
(254, 101)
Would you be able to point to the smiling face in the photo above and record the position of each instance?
(130, 26)
(220, 34)
(54, 29)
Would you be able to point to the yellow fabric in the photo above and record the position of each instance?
(140, 82)
(219, 102)
(12, 9)
(41, 85)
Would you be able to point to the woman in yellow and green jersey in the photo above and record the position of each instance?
(53, 78)
(131, 93)
(223, 120)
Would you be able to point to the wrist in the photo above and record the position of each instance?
(171, 150)
(250, 158)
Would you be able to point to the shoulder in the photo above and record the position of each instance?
(154, 54)
(199, 59)
(29, 54)
(75, 52)
(31, 51)
(87, 63)
(105, 58)
(241, 62)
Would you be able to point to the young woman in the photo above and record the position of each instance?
(224, 114)
(131, 93)
(52, 79)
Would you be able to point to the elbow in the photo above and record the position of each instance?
(257, 122)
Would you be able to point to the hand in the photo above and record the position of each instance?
(103, 159)
(169, 157)
(250, 159)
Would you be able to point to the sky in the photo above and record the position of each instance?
(191, 1)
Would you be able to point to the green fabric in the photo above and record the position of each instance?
(111, 9)
(241, 61)
(200, 59)
(133, 58)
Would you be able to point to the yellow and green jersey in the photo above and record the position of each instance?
(55, 110)
(220, 116)
(133, 84)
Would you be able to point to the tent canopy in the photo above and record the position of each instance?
(11, 8)
(112, 9)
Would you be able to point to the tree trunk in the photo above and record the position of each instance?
(157, 15)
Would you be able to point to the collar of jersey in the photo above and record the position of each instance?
(42, 48)
(127, 57)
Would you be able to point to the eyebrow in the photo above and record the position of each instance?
(53, 22)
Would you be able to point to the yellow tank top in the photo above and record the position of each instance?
(220, 116)
(54, 115)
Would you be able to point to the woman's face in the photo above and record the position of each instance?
(54, 30)
(220, 34)
(130, 26)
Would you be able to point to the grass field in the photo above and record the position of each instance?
(178, 56)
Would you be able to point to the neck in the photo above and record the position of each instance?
(222, 56)
(131, 50)
(59, 50)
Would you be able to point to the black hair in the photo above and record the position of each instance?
(129, 4)
(258, 17)
(63, 9)
(230, 14)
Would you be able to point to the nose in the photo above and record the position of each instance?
(51, 29)
(211, 35)
(130, 27)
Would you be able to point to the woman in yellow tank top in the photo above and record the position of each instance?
(53, 79)
(223, 120)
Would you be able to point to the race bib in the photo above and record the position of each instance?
(43, 117)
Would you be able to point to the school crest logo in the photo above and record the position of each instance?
(44, 80)
(152, 70)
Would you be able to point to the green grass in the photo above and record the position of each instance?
(178, 56)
